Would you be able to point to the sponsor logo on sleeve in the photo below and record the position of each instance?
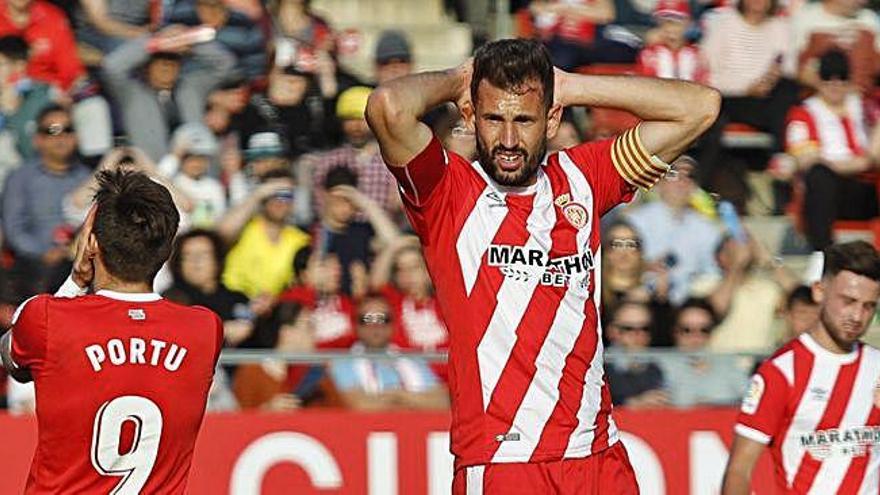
(753, 395)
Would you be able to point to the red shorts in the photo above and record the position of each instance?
(608, 472)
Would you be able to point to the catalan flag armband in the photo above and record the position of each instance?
(633, 162)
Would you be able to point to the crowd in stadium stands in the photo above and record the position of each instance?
(292, 229)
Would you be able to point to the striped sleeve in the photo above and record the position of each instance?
(764, 405)
(633, 162)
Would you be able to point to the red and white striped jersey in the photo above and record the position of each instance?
(515, 272)
(818, 413)
(814, 126)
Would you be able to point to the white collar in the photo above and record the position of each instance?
(129, 296)
(814, 347)
(512, 190)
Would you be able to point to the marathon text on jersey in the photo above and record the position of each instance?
(522, 263)
(850, 442)
(151, 352)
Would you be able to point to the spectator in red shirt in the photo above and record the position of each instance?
(672, 57)
(319, 288)
(400, 275)
(53, 58)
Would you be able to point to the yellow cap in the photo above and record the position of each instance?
(352, 102)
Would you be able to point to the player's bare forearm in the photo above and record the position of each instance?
(735, 484)
(21, 375)
(744, 455)
(394, 108)
(674, 113)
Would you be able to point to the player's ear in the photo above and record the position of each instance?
(468, 114)
(554, 118)
(92, 248)
(819, 291)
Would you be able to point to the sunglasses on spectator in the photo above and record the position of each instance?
(375, 319)
(624, 244)
(632, 328)
(55, 130)
(690, 330)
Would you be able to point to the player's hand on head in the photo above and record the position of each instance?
(83, 270)
(559, 87)
(465, 73)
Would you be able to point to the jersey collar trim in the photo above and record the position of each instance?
(810, 343)
(513, 190)
(130, 297)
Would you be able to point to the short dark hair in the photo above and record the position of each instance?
(340, 176)
(697, 303)
(799, 295)
(510, 64)
(374, 296)
(50, 109)
(834, 64)
(216, 244)
(858, 257)
(14, 48)
(135, 224)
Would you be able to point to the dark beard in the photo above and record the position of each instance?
(836, 333)
(521, 177)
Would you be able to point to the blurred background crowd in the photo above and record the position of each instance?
(252, 113)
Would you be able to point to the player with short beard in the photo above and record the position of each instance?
(511, 241)
(815, 401)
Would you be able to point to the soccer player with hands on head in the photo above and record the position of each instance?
(512, 244)
(121, 375)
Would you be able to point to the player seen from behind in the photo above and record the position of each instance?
(121, 375)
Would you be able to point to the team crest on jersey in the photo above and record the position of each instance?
(574, 212)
